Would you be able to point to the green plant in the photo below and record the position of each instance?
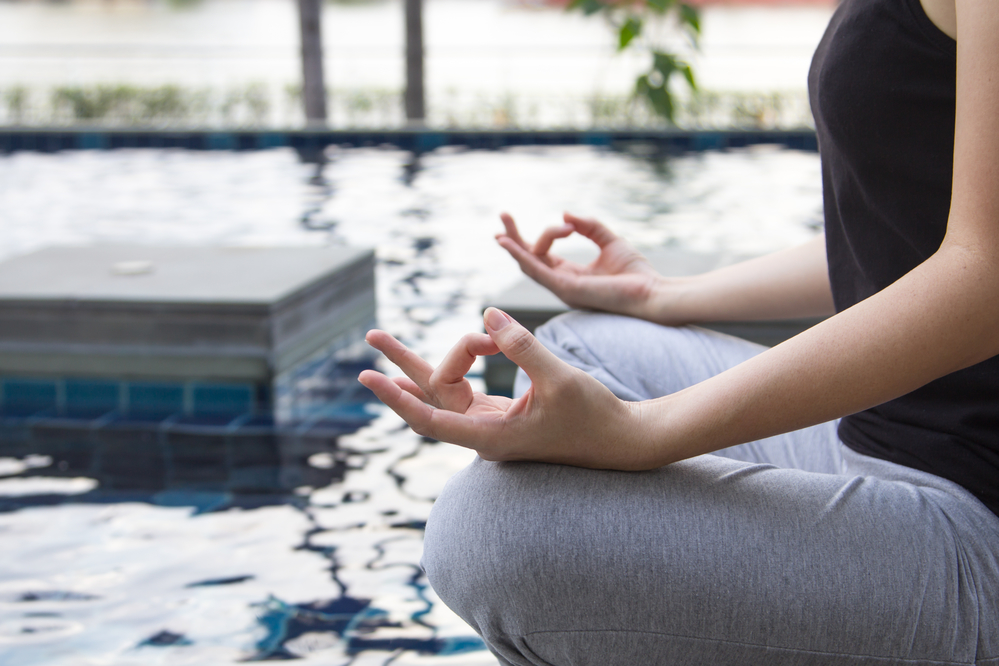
(248, 105)
(629, 19)
(183, 4)
(125, 104)
(163, 103)
(16, 99)
(96, 103)
(258, 104)
(606, 111)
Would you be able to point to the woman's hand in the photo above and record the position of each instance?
(565, 417)
(619, 280)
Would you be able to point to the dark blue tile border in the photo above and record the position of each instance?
(418, 141)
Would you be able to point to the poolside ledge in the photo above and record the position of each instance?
(311, 143)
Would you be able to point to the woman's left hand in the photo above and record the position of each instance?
(565, 417)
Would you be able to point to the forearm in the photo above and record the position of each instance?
(782, 285)
(939, 318)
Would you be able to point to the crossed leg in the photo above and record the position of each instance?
(734, 559)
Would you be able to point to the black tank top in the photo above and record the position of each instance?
(882, 89)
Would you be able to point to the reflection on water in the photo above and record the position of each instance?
(157, 545)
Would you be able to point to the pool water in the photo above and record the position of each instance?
(328, 572)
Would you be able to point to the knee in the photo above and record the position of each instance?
(456, 544)
(445, 545)
(476, 554)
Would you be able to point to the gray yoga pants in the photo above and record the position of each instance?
(792, 550)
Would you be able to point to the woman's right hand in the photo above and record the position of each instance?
(566, 416)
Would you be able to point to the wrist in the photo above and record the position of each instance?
(650, 432)
(676, 427)
(666, 301)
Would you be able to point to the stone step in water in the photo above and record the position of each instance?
(532, 305)
(150, 332)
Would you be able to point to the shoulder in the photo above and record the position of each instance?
(943, 14)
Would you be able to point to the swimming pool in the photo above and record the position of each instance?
(328, 573)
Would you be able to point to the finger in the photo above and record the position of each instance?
(408, 361)
(517, 343)
(592, 229)
(447, 383)
(511, 230)
(440, 424)
(408, 385)
(412, 410)
(548, 236)
(472, 432)
(534, 268)
(459, 360)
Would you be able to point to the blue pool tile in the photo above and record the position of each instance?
(222, 399)
(23, 397)
(87, 398)
(151, 400)
(220, 141)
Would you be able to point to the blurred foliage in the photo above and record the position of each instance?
(183, 4)
(121, 104)
(131, 105)
(359, 103)
(246, 106)
(630, 19)
(352, 107)
(256, 105)
(16, 101)
(708, 109)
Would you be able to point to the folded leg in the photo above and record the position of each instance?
(717, 561)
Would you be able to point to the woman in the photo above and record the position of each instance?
(873, 539)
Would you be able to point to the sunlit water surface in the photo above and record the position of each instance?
(330, 574)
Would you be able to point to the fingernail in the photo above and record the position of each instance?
(497, 320)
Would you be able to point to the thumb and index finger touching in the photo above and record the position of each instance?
(531, 257)
(590, 228)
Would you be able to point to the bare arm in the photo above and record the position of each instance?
(782, 285)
